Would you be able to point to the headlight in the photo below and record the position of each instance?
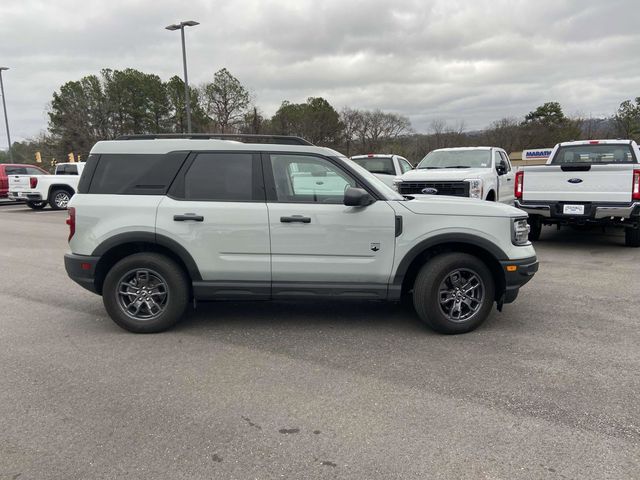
(519, 231)
(396, 184)
(475, 188)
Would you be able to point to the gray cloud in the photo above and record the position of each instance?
(475, 61)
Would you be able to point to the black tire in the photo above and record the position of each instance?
(535, 225)
(435, 274)
(632, 237)
(491, 196)
(173, 303)
(37, 205)
(59, 199)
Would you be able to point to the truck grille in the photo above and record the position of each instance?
(455, 189)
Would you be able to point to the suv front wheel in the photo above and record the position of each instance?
(454, 293)
(145, 293)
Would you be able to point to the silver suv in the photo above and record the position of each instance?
(160, 221)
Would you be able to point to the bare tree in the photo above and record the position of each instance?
(226, 100)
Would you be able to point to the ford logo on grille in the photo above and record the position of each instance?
(575, 180)
(430, 191)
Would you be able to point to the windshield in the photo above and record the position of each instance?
(383, 165)
(602, 153)
(456, 159)
(380, 186)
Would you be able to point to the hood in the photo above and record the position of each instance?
(444, 174)
(440, 204)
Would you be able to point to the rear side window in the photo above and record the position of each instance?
(129, 174)
(67, 170)
(34, 171)
(225, 177)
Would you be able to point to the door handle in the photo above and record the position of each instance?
(188, 216)
(509, 179)
(295, 219)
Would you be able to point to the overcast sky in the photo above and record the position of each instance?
(473, 60)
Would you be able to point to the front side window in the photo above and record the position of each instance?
(15, 171)
(405, 166)
(456, 159)
(227, 177)
(506, 161)
(307, 179)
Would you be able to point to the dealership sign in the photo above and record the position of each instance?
(536, 154)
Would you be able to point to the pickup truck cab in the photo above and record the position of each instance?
(484, 173)
(590, 182)
(387, 167)
(162, 221)
(55, 190)
(11, 170)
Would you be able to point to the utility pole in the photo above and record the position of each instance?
(4, 106)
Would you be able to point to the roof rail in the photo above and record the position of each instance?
(240, 137)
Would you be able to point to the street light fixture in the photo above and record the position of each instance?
(4, 106)
(180, 26)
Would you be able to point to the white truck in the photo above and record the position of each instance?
(484, 173)
(40, 190)
(590, 182)
(387, 167)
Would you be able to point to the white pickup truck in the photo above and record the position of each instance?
(484, 173)
(590, 182)
(40, 190)
(387, 167)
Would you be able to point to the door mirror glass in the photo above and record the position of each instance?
(357, 197)
(501, 168)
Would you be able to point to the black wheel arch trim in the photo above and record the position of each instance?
(154, 238)
(444, 239)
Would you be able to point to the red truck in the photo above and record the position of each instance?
(7, 169)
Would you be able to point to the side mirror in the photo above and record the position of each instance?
(501, 168)
(357, 197)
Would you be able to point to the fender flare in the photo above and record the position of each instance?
(151, 237)
(443, 239)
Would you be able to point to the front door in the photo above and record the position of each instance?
(506, 180)
(319, 245)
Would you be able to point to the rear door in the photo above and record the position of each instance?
(319, 245)
(216, 210)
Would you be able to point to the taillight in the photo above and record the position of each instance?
(635, 186)
(517, 188)
(71, 221)
(33, 182)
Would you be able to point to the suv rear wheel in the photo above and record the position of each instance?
(454, 293)
(146, 293)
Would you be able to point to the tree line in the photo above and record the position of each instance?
(124, 102)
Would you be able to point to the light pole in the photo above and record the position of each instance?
(4, 106)
(187, 101)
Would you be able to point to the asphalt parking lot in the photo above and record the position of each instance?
(550, 388)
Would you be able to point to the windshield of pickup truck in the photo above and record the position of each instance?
(383, 188)
(456, 159)
(602, 153)
(383, 165)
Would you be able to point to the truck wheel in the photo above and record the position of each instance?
(535, 225)
(632, 237)
(59, 199)
(145, 293)
(454, 293)
(37, 205)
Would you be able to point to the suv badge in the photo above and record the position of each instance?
(375, 247)
(430, 191)
(575, 180)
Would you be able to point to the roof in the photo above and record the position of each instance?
(165, 145)
(374, 155)
(595, 142)
(462, 148)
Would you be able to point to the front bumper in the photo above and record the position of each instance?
(516, 274)
(30, 197)
(593, 211)
(81, 269)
